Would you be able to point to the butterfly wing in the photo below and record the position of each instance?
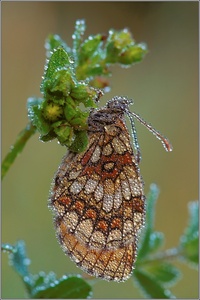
(99, 204)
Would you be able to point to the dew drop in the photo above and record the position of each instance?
(26, 261)
(52, 284)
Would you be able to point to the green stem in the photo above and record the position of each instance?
(168, 254)
(7, 248)
(18, 146)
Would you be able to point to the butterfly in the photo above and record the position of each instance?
(97, 196)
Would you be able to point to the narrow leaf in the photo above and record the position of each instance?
(150, 287)
(59, 59)
(16, 148)
(54, 41)
(163, 272)
(189, 241)
(65, 288)
(77, 38)
(89, 47)
(80, 143)
(156, 240)
(19, 260)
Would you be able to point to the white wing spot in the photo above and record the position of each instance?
(138, 221)
(90, 186)
(107, 150)
(74, 174)
(76, 187)
(96, 154)
(136, 187)
(118, 146)
(126, 140)
(98, 194)
(126, 190)
(108, 202)
(71, 220)
(84, 230)
(128, 233)
(118, 198)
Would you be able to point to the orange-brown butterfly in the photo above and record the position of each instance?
(97, 196)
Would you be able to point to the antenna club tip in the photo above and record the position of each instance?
(169, 147)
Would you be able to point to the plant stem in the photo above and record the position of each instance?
(7, 248)
(18, 146)
(168, 254)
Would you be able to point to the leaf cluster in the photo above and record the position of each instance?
(70, 82)
(58, 114)
(42, 285)
(154, 273)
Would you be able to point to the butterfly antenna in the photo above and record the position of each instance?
(134, 135)
(164, 141)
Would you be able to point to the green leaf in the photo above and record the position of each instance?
(77, 38)
(45, 286)
(133, 54)
(189, 241)
(69, 109)
(48, 137)
(54, 41)
(43, 279)
(35, 107)
(58, 60)
(80, 91)
(121, 48)
(75, 116)
(80, 143)
(72, 287)
(83, 93)
(64, 132)
(90, 47)
(61, 82)
(163, 272)
(150, 287)
(17, 147)
(18, 259)
(91, 59)
(156, 240)
(79, 121)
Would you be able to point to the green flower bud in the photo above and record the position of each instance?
(52, 112)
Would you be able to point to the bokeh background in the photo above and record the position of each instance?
(165, 91)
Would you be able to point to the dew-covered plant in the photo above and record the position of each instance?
(74, 80)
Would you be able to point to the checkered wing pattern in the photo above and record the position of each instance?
(98, 200)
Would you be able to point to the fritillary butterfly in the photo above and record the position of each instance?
(97, 196)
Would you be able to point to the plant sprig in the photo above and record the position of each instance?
(154, 269)
(74, 80)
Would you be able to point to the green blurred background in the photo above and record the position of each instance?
(165, 90)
